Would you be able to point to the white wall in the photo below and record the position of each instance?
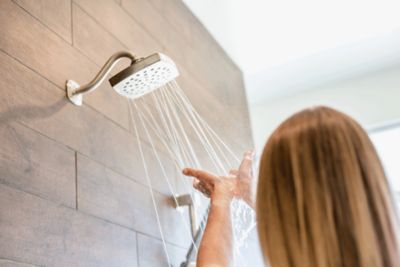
(373, 100)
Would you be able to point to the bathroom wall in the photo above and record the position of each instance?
(72, 187)
(372, 99)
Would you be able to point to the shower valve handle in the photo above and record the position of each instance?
(187, 200)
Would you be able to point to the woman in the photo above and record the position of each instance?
(322, 199)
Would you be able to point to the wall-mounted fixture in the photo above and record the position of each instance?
(187, 201)
(141, 77)
(197, 227)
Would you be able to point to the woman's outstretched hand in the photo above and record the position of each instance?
(221, 189)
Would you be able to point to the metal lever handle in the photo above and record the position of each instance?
(187, 200)
(197, 233)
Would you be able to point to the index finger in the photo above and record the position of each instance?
(199, 174)
(247, 162)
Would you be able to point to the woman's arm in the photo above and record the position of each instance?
(216, 248)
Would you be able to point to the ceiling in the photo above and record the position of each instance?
(287, 46)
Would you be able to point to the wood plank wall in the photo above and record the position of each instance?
(72, 188)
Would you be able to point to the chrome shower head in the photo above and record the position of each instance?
(144, 76)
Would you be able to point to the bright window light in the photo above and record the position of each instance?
(387, 142)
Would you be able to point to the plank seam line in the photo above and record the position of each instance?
(89, 215)
(41, 22)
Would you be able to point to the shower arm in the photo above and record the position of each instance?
(75, 92)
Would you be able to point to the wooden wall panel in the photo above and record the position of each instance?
(42, 233)
(55, 14)
(148, 17)
(151, 253)
(34, 101)
(92, 39)
(49, 55)
(111, 196)
(180, 19)
(9, 263)
(120, 24)
(33, 163)
(72, 187)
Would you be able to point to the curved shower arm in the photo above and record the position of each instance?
(75, 91)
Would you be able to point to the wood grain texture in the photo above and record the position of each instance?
(180, 19)
(36, 231)
(149, 18)
(46, 53)
(92, 39)
(120, 24)
(151, 253)
(115, 198)
(36, 164)
(55, 14)
(42, 44)
(10, 263)
(35, 102)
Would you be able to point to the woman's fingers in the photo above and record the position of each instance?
(247, 162)
(202, 185)
(200, 175)
(207, 186)
(203, 189)
(205, 192)
(203, 182)
(234, 172)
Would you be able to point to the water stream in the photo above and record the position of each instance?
(166, 117)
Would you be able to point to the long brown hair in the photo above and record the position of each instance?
(323, 199)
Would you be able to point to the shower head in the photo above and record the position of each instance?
(143, 76)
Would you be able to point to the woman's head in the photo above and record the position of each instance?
(323, 199)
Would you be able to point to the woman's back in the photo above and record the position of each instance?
(323, 199)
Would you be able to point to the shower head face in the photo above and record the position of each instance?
(144, 76)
